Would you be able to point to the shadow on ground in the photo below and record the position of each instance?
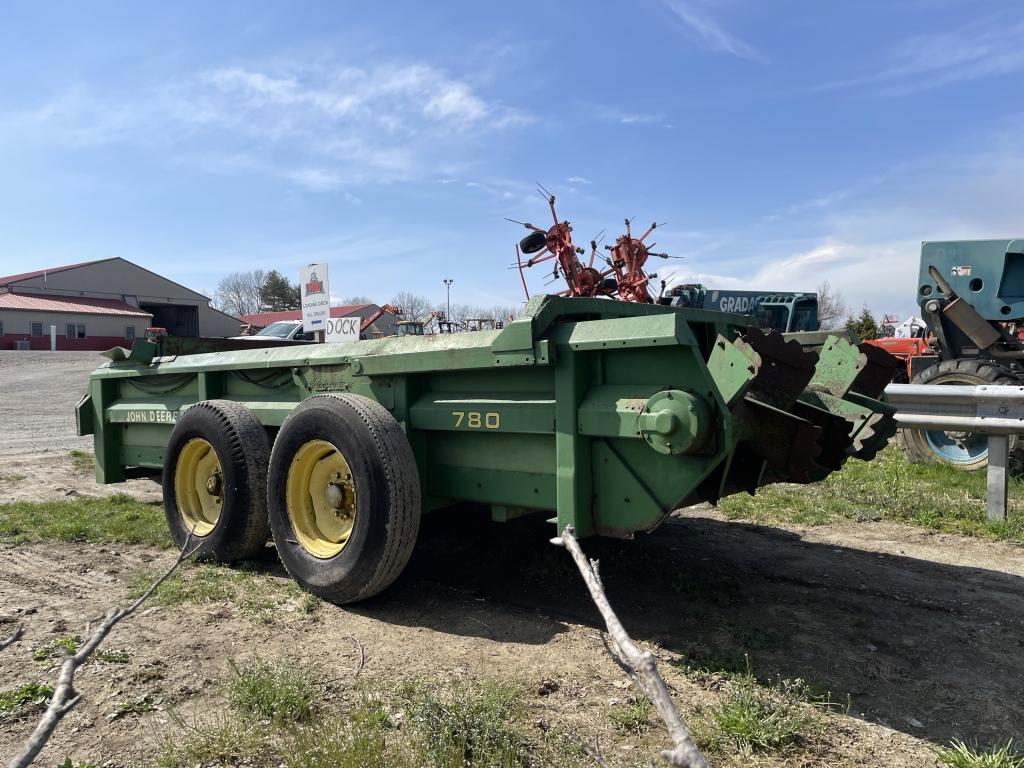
(933, 650)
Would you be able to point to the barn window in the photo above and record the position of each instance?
(37, 329)
(129, 332)
(76, 330)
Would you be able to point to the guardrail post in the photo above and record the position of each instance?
(998, 458)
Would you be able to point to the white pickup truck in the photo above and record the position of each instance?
(283, 330)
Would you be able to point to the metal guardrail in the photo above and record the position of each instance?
(996, 411)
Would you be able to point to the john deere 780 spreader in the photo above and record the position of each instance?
(607, 414)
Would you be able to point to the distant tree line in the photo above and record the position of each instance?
(247, 293)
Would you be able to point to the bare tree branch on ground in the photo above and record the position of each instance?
(7, 642)
(64, 696)
(685, 754)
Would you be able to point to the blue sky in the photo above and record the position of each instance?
(783, 142)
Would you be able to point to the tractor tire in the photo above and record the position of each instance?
(964, 450)
(533, 242)
(344, 497)
(215, 481)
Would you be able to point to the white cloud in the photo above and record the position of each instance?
(456, 102)
(984, 48)
(579, 180)
(321, 127)
(865, 239)
(706, 32)
(630, 118)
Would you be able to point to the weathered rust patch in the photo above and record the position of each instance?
(327, 378)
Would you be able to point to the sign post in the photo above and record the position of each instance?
(316, 299)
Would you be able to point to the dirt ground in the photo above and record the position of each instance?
(38, 394)
(923, 631)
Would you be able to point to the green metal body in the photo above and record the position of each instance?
(608, 414)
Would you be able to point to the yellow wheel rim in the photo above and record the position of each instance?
(320, 496)
(199, 486)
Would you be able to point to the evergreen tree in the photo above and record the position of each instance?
(278, 294)
(864, 326)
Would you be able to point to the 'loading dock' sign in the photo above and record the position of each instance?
(316, 298)
(342, 329)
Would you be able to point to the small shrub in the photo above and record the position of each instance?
(632, 718)
(960, 755)
(282, 692)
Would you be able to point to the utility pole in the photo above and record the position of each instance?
(448, 287)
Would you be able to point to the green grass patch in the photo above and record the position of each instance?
(701, 664)
(116, 519)
(9, 478)
(214, 740)
(255, 594)
(961, 755)
(310, 604)
(376, 725)
(356, 741)
(632, 718)
(929, 495)
(83, 461)
(763, 717)
(56, 649)
(136, 707)
(69, 644)
(282, 692)
(467, 723)
(30, 697)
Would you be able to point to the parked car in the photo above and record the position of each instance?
(283, 330)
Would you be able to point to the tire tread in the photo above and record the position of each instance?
(249, 447)
(990, 372)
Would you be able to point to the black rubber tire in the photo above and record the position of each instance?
(387, 496)
(243, 448)
(970, 372)
(533, 242)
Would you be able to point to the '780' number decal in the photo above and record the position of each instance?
(477, 420)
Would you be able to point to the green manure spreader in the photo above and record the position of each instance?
(605, 415)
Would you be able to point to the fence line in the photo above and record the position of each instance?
(993, 410)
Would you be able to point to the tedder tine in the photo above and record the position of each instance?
(877, 373)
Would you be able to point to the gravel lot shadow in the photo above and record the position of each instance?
(930, 649)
